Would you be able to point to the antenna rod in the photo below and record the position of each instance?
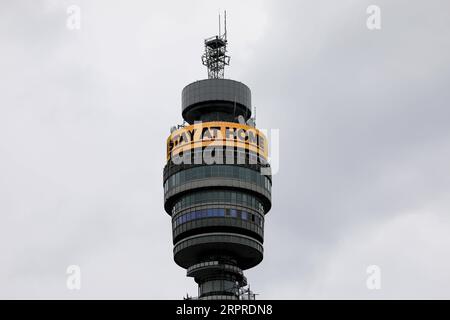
(219, 25)
(225, 16)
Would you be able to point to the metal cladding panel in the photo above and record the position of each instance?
(216, 89)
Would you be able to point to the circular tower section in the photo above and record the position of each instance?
(217, 187)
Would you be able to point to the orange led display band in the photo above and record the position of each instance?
(217, 134)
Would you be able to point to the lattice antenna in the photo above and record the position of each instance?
(215, 57)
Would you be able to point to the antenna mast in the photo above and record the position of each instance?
(225, 22)
(215, 57)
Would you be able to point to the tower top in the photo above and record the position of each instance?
(215, 57)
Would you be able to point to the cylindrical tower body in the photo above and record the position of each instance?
(214, 187)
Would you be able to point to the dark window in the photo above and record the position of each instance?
(236, 172)
(182, 177)
(206, 171)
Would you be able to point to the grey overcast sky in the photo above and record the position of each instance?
(363, 116)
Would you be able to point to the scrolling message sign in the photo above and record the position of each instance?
(216, 134)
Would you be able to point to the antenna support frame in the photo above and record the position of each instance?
(215, 57)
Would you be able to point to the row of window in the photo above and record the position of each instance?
(219, 297)
(225, 196)
(225, 238)
(224, 222)
(214, 213)
(218, 286)
(216, 154)
(224, 265)
(235, 172)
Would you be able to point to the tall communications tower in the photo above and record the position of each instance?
(217, 181)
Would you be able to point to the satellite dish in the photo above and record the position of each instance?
(251, 122)
(241, 119)
(172, 129)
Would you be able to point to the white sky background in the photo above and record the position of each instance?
(364, 144)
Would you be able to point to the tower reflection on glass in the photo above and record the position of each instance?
(217, 182)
